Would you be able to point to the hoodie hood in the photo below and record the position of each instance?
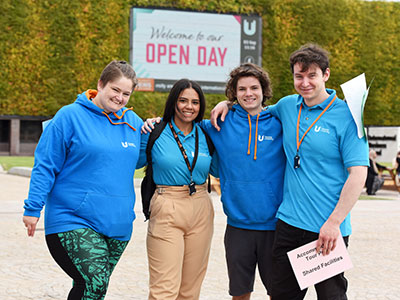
(85, 99)
(240, 112)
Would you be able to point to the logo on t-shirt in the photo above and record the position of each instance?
(200, 154)
(320, 129)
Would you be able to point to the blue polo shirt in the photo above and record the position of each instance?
(169, 167)
(312, 191)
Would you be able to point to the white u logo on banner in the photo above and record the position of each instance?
(249, 28)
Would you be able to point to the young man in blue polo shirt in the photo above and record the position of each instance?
(325, 172)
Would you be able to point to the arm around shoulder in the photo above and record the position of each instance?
(142, 160)
(219, 111)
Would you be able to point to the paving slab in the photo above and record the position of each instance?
(27, 270)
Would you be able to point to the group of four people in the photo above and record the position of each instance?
(290, 174)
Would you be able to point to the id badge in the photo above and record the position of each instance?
(297, 161)
(192, 188)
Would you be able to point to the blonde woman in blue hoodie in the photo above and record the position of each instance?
(83, 175)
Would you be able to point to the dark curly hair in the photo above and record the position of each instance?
(248, 70)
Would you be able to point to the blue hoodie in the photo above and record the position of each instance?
(83, 172)
(251, 167)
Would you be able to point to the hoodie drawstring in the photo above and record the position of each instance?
(119, 118)
(248, 148)
(90, 94)
(255, 142)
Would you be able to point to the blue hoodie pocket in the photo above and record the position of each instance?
(108, 214)
(250, 202)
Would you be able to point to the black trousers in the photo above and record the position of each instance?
(369, 183)
(284, 283)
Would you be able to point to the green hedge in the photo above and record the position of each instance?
(52, 50)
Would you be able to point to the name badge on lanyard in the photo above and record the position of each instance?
(296, 164)
(192, 185)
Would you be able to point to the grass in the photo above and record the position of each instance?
(386, 164)
(16, 161)
(139, 173)
(27, 161)
(365, 197)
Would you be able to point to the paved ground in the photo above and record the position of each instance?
(28, 272)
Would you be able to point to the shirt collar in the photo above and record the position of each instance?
(332, 93)
(180, 132)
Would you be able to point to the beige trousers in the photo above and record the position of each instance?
(178, 242)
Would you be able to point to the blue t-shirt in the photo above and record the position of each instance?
(312, 191)
(169, 167)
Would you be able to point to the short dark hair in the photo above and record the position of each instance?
(179, 86)
(116, 69)
(310, 54)
(248, 70)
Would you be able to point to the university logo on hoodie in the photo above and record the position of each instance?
(265, 138)
(126, 144)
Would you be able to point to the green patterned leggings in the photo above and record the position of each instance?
(88, 258)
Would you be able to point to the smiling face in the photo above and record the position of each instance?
(114, 95)
(187, 107)
(310, 83)
(249, 94)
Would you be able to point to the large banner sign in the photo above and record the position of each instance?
(167, 45)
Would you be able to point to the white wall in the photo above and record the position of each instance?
(385, 141)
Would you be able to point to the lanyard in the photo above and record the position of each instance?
(192, 188)
(297, 157)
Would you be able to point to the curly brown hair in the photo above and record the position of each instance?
(248, 70)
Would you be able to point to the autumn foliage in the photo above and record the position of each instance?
(52, 50)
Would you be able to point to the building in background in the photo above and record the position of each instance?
(385, 140)
(19, 135)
